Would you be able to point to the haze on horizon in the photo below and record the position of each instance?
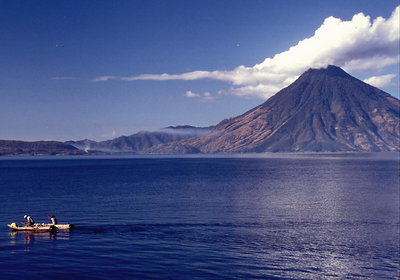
(97, 70)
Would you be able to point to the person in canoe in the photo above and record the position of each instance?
(29, 221)
(53, 220)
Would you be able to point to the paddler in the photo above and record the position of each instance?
(29, 221)
(53, 220)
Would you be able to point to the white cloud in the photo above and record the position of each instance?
(380, 81)
(359, 44)
(206, 96)
(191, 94)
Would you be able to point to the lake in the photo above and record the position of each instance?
(265, 216)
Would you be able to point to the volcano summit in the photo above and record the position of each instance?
(324, 110)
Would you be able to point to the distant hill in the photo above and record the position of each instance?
(324, 110)
(142, 141)
(9, 148)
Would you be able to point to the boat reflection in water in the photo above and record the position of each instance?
(28, 238)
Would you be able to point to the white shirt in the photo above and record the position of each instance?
(53, 221)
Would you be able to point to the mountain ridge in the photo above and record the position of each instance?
(141, 140)
(17, 148)
(323, 110)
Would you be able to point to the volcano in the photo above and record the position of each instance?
(324, 110)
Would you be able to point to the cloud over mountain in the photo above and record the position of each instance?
(380, 81)
(360, 44)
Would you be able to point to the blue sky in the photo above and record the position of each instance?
(101, 69)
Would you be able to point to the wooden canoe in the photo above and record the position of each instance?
(41, 227)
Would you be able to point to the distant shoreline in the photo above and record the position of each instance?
(300, 155)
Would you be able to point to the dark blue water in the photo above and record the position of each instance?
(321, 216)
